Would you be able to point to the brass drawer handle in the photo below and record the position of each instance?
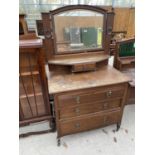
(109, 93)
(77, 125)
(77, 110)
(78, 99)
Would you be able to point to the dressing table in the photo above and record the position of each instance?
(87, 92)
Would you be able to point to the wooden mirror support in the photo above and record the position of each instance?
(78, 61)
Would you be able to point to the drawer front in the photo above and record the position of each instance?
(89, 108)
(87, 123)
(83, 67)
(77, 68)
(89, 67)
(74, 99)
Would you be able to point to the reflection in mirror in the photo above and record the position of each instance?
(78, 30)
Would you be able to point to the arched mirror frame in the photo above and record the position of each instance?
(82, 8)
(49, 32)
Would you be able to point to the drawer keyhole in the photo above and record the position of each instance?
(78, 99)
(77, 125)
(109, 93)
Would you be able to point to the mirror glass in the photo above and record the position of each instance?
(78, 30)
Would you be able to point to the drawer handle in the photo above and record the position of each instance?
(77, 125)
(78, 99)
(109, 93)
(77, 110)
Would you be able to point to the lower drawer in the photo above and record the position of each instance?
(87, 123)
(89, 108)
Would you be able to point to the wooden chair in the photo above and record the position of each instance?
(125, 54)
(24, 33)
(124, 60)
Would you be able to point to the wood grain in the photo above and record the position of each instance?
(33, 91)
(79, 60)
(63, 83)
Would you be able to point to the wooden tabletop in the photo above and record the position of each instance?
(78, 60)
(64, 83)
(31, 43)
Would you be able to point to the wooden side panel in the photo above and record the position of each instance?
(23, 23)
(131, 24)
(37, 110)
(30, 89)
(110, 22)
(48, 41)
(121, 19)
(33, 93)
(125, 20)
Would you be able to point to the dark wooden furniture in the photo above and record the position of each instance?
(116, 36)
(125, 54)
(23, 29)
(24, 33)
(39, 27)
(33, 90)
(87, 93)
(85, 101)
(124, 60)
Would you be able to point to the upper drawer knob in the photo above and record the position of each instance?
(78, 99)
(109, 93)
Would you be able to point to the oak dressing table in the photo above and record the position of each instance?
(87, 92)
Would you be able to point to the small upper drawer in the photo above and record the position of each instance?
(83, 97)
(83, 67)
(91, 122)
(89, 108)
